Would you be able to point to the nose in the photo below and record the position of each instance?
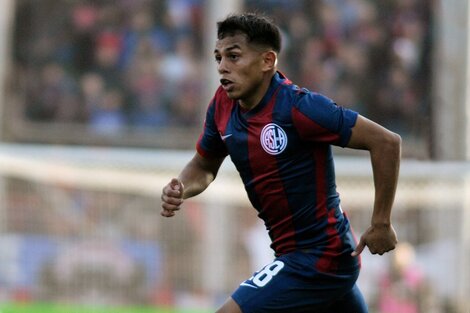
(222, 66)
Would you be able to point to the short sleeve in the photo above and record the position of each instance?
(318, 119)
(210, 144)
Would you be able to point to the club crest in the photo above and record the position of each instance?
(273, 139)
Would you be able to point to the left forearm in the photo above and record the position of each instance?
(384, 147)
(385, 160)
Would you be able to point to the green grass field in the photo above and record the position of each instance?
(57, 308)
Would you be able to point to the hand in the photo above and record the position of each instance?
(379, 239)
(172, 197)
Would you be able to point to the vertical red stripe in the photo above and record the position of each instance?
(319, 156)
(311, 131)
(326, 263)
(268, 185)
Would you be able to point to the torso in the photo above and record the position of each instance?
(284, 158)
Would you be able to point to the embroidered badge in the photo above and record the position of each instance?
(273, 139)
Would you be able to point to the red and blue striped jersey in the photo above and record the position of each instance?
(282, 150)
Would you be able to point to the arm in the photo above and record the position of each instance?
(193, 179)
(384, 147)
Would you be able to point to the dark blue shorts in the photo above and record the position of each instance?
(291, 284)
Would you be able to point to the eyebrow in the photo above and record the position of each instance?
(233, 47)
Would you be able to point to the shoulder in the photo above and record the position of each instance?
(320, 109)
(288, 93)
(302, 98)
(220, 107)
(309, 99)
(220, 94)
(318, 106)
(220, 101)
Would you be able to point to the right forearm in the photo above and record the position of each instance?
(197, 175)
(194, 181)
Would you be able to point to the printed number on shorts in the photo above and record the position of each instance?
(264, 276)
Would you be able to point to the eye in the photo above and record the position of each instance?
(218, 58)
(233, 57)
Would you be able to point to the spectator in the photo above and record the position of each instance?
(108, 117)
(52, 97)
(146, 88)
(92, 86)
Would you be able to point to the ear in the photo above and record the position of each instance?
(269, 60)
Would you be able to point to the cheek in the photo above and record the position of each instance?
(251, 72)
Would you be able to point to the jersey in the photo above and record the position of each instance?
(282, 151)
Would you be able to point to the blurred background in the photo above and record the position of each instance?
(101, 105)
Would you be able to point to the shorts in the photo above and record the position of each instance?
(292, 284)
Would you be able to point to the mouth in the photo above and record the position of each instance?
(226, 84)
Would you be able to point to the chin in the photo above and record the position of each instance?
(232, 95)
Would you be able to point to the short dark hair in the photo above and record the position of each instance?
(258, 29)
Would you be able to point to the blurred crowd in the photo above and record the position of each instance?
(138, 63)
(110, 64)
(371, 56)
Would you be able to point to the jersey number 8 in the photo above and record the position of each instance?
(264, 276)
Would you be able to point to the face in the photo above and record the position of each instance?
(242, 69)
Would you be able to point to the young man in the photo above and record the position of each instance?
(279, 137)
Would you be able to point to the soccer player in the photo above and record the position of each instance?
(279, 137)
